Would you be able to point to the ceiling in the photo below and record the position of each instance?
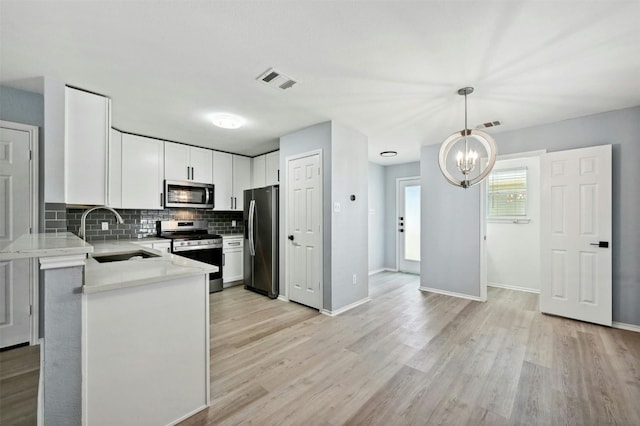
(390, 69)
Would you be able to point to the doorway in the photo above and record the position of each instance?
(18, 216)
(303, 224)
(408, 240)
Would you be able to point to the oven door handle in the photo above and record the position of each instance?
(252, 208)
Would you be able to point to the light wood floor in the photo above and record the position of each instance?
(406, 357)
(416, 358)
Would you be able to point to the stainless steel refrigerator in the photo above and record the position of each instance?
(261, 240)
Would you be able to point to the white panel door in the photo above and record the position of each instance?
(15, 208)
(142, 172)
(223, 180)
(409, 225)
(304, 241)
(576, 234)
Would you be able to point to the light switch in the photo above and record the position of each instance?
(233, 223)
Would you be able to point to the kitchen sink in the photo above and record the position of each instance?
(118, 257)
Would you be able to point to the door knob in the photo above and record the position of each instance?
(290, 237)
(401, 230)
(603, 244)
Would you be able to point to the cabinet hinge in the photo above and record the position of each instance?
(30, 230)
(30, 310)
(30, 155)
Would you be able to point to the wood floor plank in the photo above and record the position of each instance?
(405, 358)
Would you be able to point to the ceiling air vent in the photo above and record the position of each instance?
(276, 79)
(488, 124)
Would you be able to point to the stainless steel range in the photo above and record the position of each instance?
(191, 239)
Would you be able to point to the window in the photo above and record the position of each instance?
(507, 194)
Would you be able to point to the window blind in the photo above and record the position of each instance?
(507, 193)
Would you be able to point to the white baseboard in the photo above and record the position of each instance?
(514, 287)
(451, 293)
(283, 298)
(345, 308)
(377, 271)
(623, 326)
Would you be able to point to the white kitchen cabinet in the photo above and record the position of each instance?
(223, 180)
(233, 265)
(163, 246)
(114, 189)
(187, 163)
(142, 172)
(231, 176)
(86, 147)
(258, 167)
(241, 180)
(272, 168)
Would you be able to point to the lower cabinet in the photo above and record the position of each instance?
(163, 246)
(233, 265)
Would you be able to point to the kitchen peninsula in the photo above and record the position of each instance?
(126, 331)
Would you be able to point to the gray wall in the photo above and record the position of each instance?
(391, 175)
(349, 227)
(376, 217)
(23, 107)
(618, 128)
(450, 243)
(316, 137)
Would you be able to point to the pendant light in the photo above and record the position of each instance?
(467, 160)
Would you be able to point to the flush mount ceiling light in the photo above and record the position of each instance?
(388, 153)
(467, 160)
(227, 121)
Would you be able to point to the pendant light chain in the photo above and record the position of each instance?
(466, 147)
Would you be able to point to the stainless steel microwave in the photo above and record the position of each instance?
(188, 194)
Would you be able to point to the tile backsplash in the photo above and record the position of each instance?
(142, 223)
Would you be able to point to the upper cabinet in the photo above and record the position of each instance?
(187, 163)
(86, 150)
(231, 176)
(142, 171)
(223, 180)
(258, 166)
(272, 168)
(114, 188)
(241, 179)
(265, 170)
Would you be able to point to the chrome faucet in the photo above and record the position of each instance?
(83, 219)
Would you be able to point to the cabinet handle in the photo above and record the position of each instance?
(192, 178)
(223, 259)
(187, 172)
(161, 200)
(235, 203)
(278, 175)
(231, 203)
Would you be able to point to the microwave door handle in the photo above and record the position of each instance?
(206, 196)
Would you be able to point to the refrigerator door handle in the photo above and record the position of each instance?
(252, 208)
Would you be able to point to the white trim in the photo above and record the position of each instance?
(40, 408)
(186, 416)
(56, 262)
(623, 326)
(283, 195)
(398, 180)
(518, 155)
(34, 205)
(283, 298)
(345, 308)
(451, 293)
(514, 287)
(377, 271)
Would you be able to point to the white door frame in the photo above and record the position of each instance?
(33, 222)
(395, 219)
(283, 194)
(483, 217)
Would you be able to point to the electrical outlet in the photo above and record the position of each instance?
(354, 279)
(233, 223)
(105, 226)
(336, 207)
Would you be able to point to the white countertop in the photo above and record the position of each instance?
(227, 236)
(128, 273)
(44, 245)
